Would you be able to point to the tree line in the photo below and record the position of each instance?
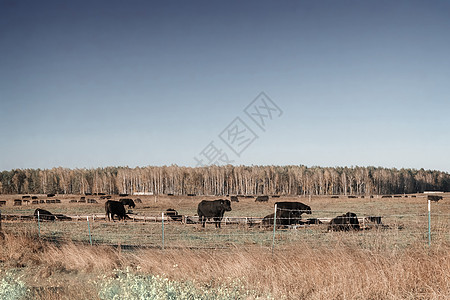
(224, 180)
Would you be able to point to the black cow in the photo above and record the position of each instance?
(291, 212)
(173, 214)
(234, 199)
(44, 215)
(128, 201)
(296, 208)
(434, 197)
(283, 218)
(262, 199)
(213, 209)
(115, 208)
(346, 222)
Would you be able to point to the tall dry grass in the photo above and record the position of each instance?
(341, 271)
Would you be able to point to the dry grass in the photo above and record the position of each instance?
(307, 264)
(341, 271)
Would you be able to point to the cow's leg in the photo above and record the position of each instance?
(218, 221)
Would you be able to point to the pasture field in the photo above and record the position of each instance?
(237, 261)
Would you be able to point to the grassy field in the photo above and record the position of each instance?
(235, 262)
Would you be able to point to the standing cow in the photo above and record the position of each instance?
(346, 222)
(213, 209)
(292, 211)
(128, 201)
(115, 208)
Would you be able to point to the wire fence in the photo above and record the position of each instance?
(158, 230)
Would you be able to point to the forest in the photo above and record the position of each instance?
(225, 180)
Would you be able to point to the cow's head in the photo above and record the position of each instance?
(307, 210)
(352, 219)
(226, 204)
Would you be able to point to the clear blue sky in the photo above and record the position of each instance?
(135, 83)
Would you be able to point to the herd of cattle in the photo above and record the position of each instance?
(287, 213)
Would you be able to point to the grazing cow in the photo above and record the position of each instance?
(352, 197)
(26, 197)
(262, 199)
(92, 201)
(213, 209)
(334, 197)
(234, 199)
(2, 202)
(34, 197)
(173, 214)
(128, 201)
(50, 195)
(346, 222)
(434, 197)
(73, 201)
(17, 202)
(44, 215)
(105, 197)
(123, 195)
(137, 200)
(169, 194)
(35, 202)
(191, 195)
(275, 196)
(386, 196)
(115, 208)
